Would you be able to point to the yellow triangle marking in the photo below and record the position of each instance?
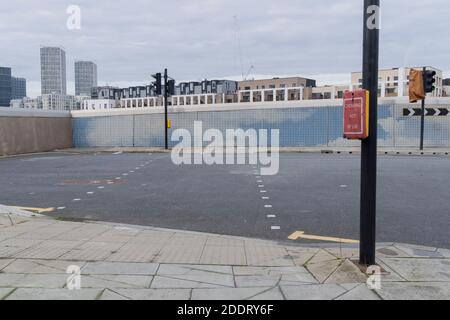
(36, 210)
(301, 235)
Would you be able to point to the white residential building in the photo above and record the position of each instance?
(99, 104)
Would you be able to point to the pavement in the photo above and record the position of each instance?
(314, 193)
(119, 261)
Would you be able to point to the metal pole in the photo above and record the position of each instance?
(369, 145)
(166, 141)
(422, 116)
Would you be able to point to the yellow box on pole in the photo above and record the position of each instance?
(169, 124)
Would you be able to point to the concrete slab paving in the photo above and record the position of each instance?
(262, 255)
(116, 268)
(416, 269)
(30, 266)
(132, 262)
(54, 294)
(4, 292)
(415, 291)
(146, 294)
(259, 293)
(360, 292)
(223, 255)
(181, 282)
(347, 272)
(116, 281)
(313, 292)
(4, 263)
(322, 265)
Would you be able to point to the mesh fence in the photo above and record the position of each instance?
(298, 126)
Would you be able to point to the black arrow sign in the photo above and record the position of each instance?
(415, 112)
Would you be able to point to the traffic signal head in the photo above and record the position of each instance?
(158, 83)
(171, 87)
(429, 80)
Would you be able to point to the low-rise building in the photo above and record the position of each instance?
(275, 89)
(99, 104)
(327, 92)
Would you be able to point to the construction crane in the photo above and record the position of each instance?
(245, 78)
(239, 47)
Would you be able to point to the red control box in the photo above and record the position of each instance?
(356, 114)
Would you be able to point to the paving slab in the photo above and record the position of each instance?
(126, 268)
(267, 255)
(40, 266)
(49, 249)
(172, 282)
(92, 251)
(10, 252)
(115, 281)
(54, 294)
(136, 253)
(32, 280)
(146, 294)
(419, 251)
(347, 272)
(4, 292)
(301, 256)
(360, 292)
(264, 293)
(322, 265)
(416, 269)
(313, 292)
(181, 253)
(4, 263)
(169, 275)
(223, 255)
(415, 291)
(188, 269)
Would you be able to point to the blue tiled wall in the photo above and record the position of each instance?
(299, 127)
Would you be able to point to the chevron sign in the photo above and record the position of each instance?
(412, 112)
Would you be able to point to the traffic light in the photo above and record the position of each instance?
(158, 83)
(429, 80)
(171, 87)
(416, 86)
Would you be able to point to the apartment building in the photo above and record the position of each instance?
(275, 89)
(394, 82)
(85, 77)
(18, 88)
(53, 71)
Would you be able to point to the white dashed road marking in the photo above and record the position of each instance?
(275, 228)
(268, 206)
(90, 192)
(271, 216)
(76, 199)
(61, 208)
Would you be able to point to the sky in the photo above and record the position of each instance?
(217, 39)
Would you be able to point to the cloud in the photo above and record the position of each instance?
(197, 39)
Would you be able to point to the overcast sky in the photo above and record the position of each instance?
(130, 40)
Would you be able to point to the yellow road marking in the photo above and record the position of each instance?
(301, 235)
(36, 210)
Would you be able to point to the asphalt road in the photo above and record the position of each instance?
(314, 193)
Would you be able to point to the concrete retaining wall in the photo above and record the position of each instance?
(24, 131)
